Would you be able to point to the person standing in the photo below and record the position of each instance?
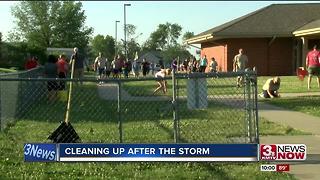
(313, 65)
(240, 62)
(108, 68)
(203, 64)
(100, 66)
(51, 71)
(213, 65)
(136, 68)
(145, 66)
(78, 64)
(62, 70)
(174, 65)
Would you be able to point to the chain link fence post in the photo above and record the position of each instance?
(174, 107)
(119, 112)
(248, 106)
(255, 105)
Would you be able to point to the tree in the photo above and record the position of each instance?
(105, 45)
(176, 51)
(164, 36)
(130, 30)
(51, 24)
(133, 47)
(187, 35)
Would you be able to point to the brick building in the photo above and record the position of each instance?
(275, 38)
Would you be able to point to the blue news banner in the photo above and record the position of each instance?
(139, 152)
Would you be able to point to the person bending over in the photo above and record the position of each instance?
(271, 88)
(162, 83)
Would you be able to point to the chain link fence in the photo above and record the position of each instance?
(198, 108)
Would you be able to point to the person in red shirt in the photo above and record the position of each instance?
(313, 65)
(63, 67)
(31, 63)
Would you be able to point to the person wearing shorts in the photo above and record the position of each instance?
(240, 62)
(162, 83)
(313, 64)
(100, 65)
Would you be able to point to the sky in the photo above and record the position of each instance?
(193, 16)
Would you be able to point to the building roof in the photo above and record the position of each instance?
(310, 28)
(151, 56)
(274, 20)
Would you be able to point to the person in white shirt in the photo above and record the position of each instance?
(162, 83)
(100, 65)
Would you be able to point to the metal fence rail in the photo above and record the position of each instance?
(198, 108)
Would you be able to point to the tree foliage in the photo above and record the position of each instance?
(105, 45)
(166, 35)
(130, 30)
(51, 24)
(187, 35)
(176, 51)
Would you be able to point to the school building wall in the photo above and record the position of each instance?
(269, 56)
(218, 50)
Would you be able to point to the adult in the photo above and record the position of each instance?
(108, 68)
(203, 63)
(313, 65)
(271, 88)
(240, 62)
(126, 69)
(78, 61)
(51, 71)
(162, 83)
(62, 70)
(174, 65)
(100, 66)
(213, 65)
(185, 65)
(136, 68)
(31, 63)
(145, 66)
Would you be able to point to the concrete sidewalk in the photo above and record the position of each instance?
(293, 119)
(309, 169)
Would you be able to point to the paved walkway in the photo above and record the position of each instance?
(309, 169)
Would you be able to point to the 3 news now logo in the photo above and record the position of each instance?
(40, 152)
(290, 152)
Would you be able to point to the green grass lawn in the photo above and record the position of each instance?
(220, 86)
(291, 84)
(305, 104)
(95, 120)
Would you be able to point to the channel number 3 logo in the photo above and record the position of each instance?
(267, 151)
(27, 149)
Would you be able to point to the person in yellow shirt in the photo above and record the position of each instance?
(271, 88)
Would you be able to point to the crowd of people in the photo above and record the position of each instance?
(58, 67)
